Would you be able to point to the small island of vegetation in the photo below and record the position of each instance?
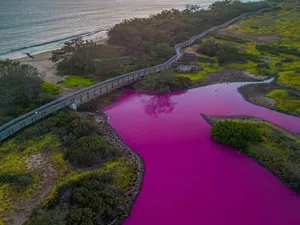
(272, 147)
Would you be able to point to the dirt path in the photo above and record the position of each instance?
(39, 163)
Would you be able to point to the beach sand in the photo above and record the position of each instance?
(43, 64)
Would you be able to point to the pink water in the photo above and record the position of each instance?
(190, 179)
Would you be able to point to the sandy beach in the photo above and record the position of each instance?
(43, 64)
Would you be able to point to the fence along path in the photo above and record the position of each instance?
(87, 94)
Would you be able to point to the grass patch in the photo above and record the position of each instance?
(290, 78)
(50, 88)
(272, 147)
(285, 102)
(74, 81)
(16, 180)
(201, 74)
(282, 56)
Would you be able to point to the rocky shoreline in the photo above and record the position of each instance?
(256, 94)
(228, 75)
(114, 139)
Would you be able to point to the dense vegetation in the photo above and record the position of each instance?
(50, 88)
(142, 42)
(285, 102)
(235, 133)
(92, 199)
(92, 173)
(164, 81)
(270, 146)
(21, 89)
(74, 81)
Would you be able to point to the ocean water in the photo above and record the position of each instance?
(40, 25)
(189, 178)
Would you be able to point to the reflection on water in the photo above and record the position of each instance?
(160, 103)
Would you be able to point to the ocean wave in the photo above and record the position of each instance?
(81, 35)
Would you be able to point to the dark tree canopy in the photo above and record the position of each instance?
(19, 84)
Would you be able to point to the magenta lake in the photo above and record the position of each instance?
(189, 178)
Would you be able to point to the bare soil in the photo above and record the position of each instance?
(40, 163)
(257, 38)
(42, 62)
(227, 75)
(256, 94)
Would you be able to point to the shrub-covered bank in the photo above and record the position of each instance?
(272, 147)
(94, 188)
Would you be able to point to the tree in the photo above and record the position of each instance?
(76, 56)
(19, 84)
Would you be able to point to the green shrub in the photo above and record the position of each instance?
(235, 133)
(208, 48)
(228, 53)
(225, 53)
(50, 88)
(277, 49)
(90, 150)
(94, 201)
(198, 42)
(17, 180)
(164, 82)
(290, 78)
(285, 102)
(55, 216)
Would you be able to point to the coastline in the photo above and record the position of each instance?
(43, 63)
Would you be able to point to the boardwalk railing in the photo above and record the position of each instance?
(86, 94)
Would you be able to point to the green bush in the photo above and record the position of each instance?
(235, 133)
(50, 88)
(225, 53)
(277, 50)
(164, 82)
(55, 216)
(228, 53)
(88, 201)
(17, 180)
(90, 150)
(208, 48)
(198, 42)
(94, 201)
(285, 102)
